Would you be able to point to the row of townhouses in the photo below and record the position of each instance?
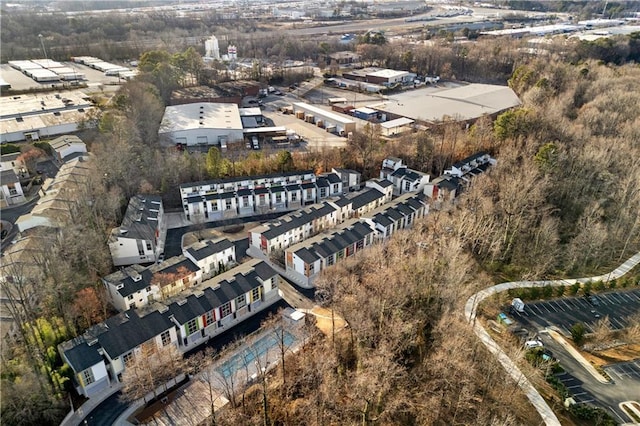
(281, 233)
(100, 355)
(453, 181)
(308, 258)
(136, 286)
(254, 195)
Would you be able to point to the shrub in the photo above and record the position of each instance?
(598, 285)
(45, 146)
(587, 412)
(547, 291)
(577, 333)
(560, 290)
(586, 288)
(573, 290)
(613, 283)
(9, 148)
(534, 293)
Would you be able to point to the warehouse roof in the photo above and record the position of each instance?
(201, 115)
(463, 102)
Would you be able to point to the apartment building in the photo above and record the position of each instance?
(254, 195)
(140, 237)
(100, 355)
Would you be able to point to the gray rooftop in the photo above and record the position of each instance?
(141, 219)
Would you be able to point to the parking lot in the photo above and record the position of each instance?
(575, 387)
(624, 370)
(565, 312)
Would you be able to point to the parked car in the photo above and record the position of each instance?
(531, 344)
(593, 300)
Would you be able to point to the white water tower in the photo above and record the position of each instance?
(211, 48)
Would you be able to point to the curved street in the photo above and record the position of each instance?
(470, 311)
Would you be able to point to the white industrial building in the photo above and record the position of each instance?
(331, 121)
(202, 123)
(34, 117)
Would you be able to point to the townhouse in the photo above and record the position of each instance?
(307, 259)
(350, 178)
(140, 237)
(212, 256)
(400, 213)
(137, 286)
(99, 356)
(253, 195)
(403, 178)
(10, 188)
(454, 180)
(284, 232)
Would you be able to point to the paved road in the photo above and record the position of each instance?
(470, 311)
(107, 412)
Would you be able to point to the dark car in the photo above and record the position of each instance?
(593, 300)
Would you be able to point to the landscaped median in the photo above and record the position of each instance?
(539, 403)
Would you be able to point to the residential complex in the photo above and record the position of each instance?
(140, 237)
(187, 299)
(99, 356)
(253, 195)
(137, 286)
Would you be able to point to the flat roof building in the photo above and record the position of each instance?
(33, 117)
(462, 102)
(202, 123)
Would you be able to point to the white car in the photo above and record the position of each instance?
(531, 344)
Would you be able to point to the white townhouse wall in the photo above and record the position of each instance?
(140, 237)
(202, 123)
(400, 213)
(285, 231)
(137, 286)
(10, 189)
(350, 178)
(307, 259)
(90, 369)
(67, 145)
(390, 165)
(186, 321)
(14, 162)
(254, 195)
(212, 256)
(403, 179)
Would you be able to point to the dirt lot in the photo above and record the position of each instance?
(233, 233)
(323, 320)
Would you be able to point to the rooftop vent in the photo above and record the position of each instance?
(182, 302)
